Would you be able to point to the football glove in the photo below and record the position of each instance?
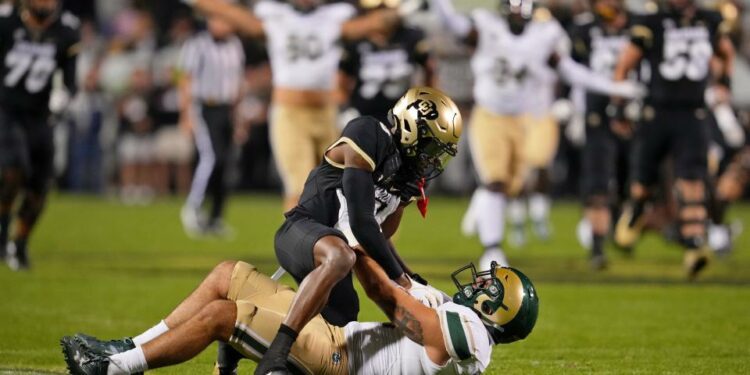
(427, 295)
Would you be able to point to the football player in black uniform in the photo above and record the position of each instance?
(598, 38)
(375, 72)
(356, 197)
(35, 41)
(679, 42)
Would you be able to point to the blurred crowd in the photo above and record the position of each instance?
(122, 135)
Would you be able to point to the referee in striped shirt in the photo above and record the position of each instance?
(212, 66)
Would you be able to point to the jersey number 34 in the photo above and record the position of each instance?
(39, 69)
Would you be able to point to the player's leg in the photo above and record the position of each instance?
(320, 267)
(650, 145)
(728, 189)
(493, 140)
(293, 148)
(598, 169)
(221, 138)
(191, 212)
(36, 185)
(13, 164)
(691, 166)
(542, 139)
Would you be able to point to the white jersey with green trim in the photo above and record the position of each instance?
(303, 46)
(512, 71)
(380, 348)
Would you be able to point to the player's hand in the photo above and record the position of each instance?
(621, 128)
(427, 295)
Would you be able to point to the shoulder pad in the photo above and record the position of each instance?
(542, 14)
(6, 9)
(69, 20)
(462, 331)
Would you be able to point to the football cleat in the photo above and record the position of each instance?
(219, 228)
(517, 236)
(542, 230)
(17, 257)
(492, 255)
(81, 360)
(105, 348)
(469, 223)
(585, 234)
(192, 222)
(627, 230)
(599, 262)
(696, 261)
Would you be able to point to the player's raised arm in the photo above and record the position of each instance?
(242, 19)
(457, 24)
(418, 322)
(379, 20)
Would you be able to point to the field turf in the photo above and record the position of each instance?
(111, 271)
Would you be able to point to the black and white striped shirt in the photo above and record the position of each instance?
(216, 67)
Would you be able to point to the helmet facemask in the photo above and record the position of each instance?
(518, 13)
(504, 299)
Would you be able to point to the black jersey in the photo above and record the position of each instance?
(371, 139)
(679, 51)
(597, 46)
(30, 59)
(384, 73)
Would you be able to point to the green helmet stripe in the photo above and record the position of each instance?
(458, 336)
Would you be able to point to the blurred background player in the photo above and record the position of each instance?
(516, 57)
(212, 72)
(679, 43)
(36, 41)
(375, 71)
(302, 40)
(598, 38)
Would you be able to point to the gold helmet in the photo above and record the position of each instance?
(427, 126)
(503, 297)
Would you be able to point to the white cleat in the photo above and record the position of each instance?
(469, 225)
(191, 222)
(490, 255)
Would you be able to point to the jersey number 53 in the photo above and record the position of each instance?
(686, 58)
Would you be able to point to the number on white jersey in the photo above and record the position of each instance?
(304, 47)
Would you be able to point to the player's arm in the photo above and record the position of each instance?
(379, 20)
(69, 67)
(724, 56)
(576, 74)
(457, 24)
(419, 323)
(240, 18)
(359, 191)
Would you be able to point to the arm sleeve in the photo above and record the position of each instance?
(576, 74)
(69, 65)
(359, 191)
(457, 24)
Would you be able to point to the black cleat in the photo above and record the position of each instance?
(82, 361)
(17, 256)
(599, 262)
(105, 348)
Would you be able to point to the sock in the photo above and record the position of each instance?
(151, 333)
(490, 254)
(490, 217)
(227, 357)
(469, 221)
(278, 351)
(517, 212)
(539, 206)
(129, 362)
(597, 245)
(4, 228)
(639, 206)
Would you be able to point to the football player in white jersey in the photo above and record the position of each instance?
(302, 39)
(516, 62)
(241, 306)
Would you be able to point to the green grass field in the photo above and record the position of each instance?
(112, 271)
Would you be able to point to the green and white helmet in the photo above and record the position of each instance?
(503, 297)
